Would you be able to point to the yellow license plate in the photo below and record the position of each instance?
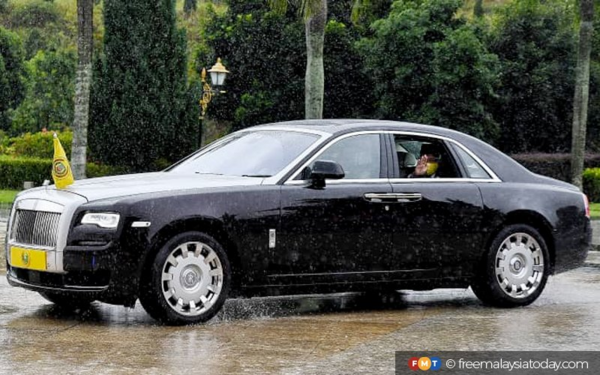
(28, 258)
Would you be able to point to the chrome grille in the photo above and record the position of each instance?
(36, 228)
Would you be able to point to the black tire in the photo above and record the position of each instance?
(68, 301)
(487, 285)
(190, 282)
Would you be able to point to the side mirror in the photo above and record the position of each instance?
(324, 169)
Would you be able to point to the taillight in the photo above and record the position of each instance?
(586, 202)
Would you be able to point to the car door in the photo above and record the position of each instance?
(437, 219)
(336, 233)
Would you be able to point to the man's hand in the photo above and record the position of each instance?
(421, 167)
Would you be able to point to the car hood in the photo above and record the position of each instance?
(119, 186)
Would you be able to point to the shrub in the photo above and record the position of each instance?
(554, 165)
(100, 170)
(40, 145)
(16, 170)
(591, 184)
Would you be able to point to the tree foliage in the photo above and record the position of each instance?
(12, 88)
(427, 65)
(265, 51)
(535, 43)
(50, 89)
(140, 101)
(267, 55)
(36, 13)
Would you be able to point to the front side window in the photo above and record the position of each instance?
(261, 153)
(359, 156)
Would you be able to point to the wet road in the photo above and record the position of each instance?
(338, 334)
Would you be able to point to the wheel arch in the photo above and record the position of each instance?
(211, 227)
(535, 220)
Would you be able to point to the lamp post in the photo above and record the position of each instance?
(218, 73)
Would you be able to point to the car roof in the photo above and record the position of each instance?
(337, 126)
(505, 167)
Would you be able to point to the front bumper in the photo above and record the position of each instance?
(104, 278)
(107, 273)
(48, 282)
(85, 270)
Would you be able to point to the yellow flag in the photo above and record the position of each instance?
(61, 170)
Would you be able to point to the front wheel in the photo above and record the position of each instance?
(515, 270)
(188, 281)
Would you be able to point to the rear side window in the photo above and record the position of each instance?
(411, 148)
(472, 168)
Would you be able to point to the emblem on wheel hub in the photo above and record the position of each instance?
(517, 265)
(190, 278)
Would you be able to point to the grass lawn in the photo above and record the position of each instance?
(7, 196)
(595, 210)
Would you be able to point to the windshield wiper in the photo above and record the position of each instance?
(257, 175)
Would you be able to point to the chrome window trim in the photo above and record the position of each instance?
(343, 182)
(283, 128)
(493, 176)
(439, 180)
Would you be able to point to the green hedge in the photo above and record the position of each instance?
(554, 165)
(591, 184)
(39, 145)
(14, 171)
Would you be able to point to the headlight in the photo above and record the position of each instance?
(101, 219)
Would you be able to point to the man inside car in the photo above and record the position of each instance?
(428, 163)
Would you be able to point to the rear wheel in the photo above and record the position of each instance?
(514, 271)
(188, 281)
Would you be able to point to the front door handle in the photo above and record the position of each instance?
(393, 197)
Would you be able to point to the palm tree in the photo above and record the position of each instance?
(315, 20)
(582, 88)
(85, 16)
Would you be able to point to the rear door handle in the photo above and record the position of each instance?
(393, 197)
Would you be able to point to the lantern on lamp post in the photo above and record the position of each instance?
(218, 73)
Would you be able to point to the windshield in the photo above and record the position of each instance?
(251, 154)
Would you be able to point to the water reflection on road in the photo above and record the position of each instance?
(345, 333)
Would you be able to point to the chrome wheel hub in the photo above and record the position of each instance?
(519, 265)
(192, 278)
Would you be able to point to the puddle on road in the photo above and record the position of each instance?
(7, 309)
(274, 334)
(263, 335)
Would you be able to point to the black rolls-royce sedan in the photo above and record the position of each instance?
(302, 207)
